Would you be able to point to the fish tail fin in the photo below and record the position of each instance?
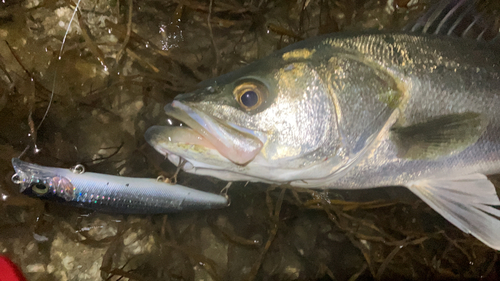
(465, 201)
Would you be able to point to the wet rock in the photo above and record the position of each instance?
(70, 260)
(200, 274)
(336, 236)
(129, 111)
(94, 110)
(137, 242)
(215, 249)
(305, 230)
(100, 229)
(284, 264)
(241, 261)
(35, 268)
(26, 251)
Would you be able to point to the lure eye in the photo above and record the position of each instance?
(39, 189)
(250, 94)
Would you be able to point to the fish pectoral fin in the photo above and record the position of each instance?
(465, 201)
(438, 137)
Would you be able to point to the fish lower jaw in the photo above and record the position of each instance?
(179, 152)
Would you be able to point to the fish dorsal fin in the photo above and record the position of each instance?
(460, 18)
(440, 136)
(465, 201)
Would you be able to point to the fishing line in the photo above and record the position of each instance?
(55, 78)
(57, 66)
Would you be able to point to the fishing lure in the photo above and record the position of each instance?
(108, 193)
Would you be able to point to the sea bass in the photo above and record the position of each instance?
(355, 111)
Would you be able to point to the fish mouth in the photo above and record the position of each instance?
(203, 132)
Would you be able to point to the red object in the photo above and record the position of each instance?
(9, 271)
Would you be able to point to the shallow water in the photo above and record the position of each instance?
(106, 96)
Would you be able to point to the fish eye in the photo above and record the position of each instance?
(250, 94)
(39, 189)
(249, 98)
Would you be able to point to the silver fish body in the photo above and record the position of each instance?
(355, 111)
(113, 194)
(428, 77)
(330, 96)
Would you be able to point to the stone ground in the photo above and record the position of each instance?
(107, 94)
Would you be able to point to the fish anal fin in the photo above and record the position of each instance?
(438, 137)
(465, 201)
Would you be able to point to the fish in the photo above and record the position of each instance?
(416, 108)
(109, 193)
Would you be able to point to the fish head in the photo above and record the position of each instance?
(271, 121)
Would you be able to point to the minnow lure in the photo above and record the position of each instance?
(108, 193)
